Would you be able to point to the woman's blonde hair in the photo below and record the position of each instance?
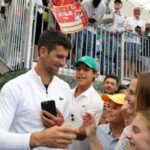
(143, 91)
(145, 116)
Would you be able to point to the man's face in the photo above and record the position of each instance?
(53, 60)
(131, 97)
(137, 12)
(110, 85)
(139, 135)
(114, 113)
(85, 75)
(147, 26)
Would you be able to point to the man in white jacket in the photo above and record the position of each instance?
(21, 127)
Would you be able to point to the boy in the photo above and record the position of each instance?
(85, 98)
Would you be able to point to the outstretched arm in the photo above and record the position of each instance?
(54, 137)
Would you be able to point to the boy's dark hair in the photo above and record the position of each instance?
(113, 76)
(121, 87)
(52, 38)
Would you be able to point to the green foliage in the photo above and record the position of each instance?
(10, 75)
(72, 82)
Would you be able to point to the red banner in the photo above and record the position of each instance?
(71, 18)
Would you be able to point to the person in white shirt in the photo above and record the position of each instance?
(21, 127)
(112, 40)
(85, 98)
(135, 28)
(86, 42)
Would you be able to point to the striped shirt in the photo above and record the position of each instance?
(123, 141)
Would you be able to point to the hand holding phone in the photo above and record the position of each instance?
(51, 116)
(49, 106)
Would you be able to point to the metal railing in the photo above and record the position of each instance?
(13, 35)
(124, 54)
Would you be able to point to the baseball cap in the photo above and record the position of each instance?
(89, 61)
(116, 98)
(118, 1)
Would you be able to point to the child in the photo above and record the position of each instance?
(85, 98)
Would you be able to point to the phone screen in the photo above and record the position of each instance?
(49, 106)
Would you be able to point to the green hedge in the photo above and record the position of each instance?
(71, 80)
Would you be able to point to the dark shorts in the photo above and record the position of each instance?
(132, 51)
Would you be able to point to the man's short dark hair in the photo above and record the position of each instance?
(113, 76)
(2, 9)
(52, 38)
(7, 1)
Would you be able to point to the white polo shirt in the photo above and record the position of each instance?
(96, 13)
(88, 101)
(119, 22)
(132, 22)
(20, 108)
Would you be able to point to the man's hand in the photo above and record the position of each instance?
(129, 30)
(113, 30)
(50, 120)
(54, 137)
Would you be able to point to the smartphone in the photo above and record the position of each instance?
(49, 106)
(73, 120)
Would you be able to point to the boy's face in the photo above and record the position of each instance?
(114, 113)
(85, 75)
(117, 6)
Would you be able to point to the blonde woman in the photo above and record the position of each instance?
(139, 134)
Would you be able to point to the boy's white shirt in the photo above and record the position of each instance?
(89, 101)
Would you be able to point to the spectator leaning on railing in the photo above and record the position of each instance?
(86, 43)
(112, 40)
(145, 53)
(135, 28)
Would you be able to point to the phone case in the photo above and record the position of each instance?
(49, 106)
(73, 120)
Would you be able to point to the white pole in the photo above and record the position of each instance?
(29, 35)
